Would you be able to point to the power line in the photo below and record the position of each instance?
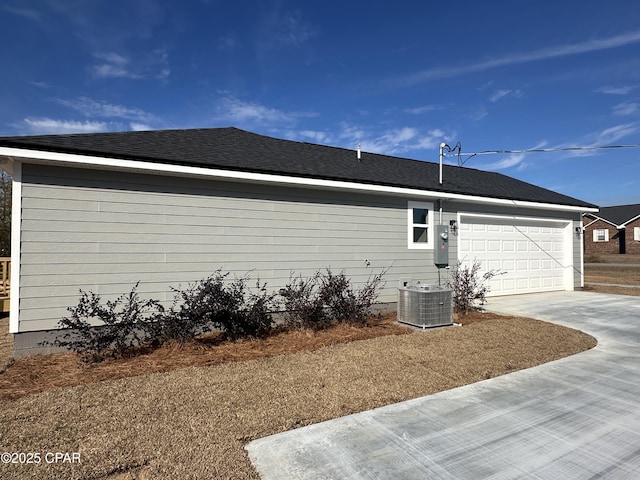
(459, 153)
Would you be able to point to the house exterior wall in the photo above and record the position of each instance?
(104, 232)
(632, 245)
(612, 245)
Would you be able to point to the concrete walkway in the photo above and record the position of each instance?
(576, 418)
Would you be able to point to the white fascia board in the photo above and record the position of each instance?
(629, 221)
(16, 232)
(67, 159)
(605, 221)
(462, 215)
(591, 223)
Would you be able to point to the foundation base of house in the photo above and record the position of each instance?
(26, 344)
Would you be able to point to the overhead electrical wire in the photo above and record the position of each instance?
(458, 150)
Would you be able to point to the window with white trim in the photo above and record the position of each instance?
(420, 223)
(601, 235)
(636, 233)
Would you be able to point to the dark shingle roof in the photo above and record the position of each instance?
(619, 214)
(235, 149)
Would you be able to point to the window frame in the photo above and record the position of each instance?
(636, 234)
(596, 236)
(428, 206)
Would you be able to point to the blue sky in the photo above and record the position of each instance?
(396, 77)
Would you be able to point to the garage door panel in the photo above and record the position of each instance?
(530, 252)
(479, 246)
(494, 265)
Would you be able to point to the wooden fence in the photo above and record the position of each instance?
(5, 283)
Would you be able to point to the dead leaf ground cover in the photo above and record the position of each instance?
(193, 421)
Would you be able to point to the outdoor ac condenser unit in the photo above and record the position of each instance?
(424, 305)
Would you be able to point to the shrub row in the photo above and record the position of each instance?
(115, 328)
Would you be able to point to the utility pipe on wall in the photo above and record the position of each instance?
(442, 145)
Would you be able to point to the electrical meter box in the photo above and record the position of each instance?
(441, 248)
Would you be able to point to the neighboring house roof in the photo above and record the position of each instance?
(238, 150)
(618, 215)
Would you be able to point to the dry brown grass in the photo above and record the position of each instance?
(613, 258)
(193, 422)
(635, 292)
(604, 272)
(40, 373)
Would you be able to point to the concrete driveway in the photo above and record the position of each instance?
(575, 418)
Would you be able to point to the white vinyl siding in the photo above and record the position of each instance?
(105, 231)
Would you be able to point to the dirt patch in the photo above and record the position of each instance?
(194, 422)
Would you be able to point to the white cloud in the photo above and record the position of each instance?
(519, 58)
(42, 85)
(507, 162)
(392, 142)
(29, 13)
(240, 112)
(616, 90)
(316, 136)
(626, 108)
(420, 110)
(500, 94)
(137, 127)
(512, 160)
(228, 42)
(93, 108)
(284, 29)
(608, 136)
(615, 133)
(478, 114)
(113, 65)
(45, 126)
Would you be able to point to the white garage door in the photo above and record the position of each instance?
(534, 254)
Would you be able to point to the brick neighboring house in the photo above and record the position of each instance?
(612, 230)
